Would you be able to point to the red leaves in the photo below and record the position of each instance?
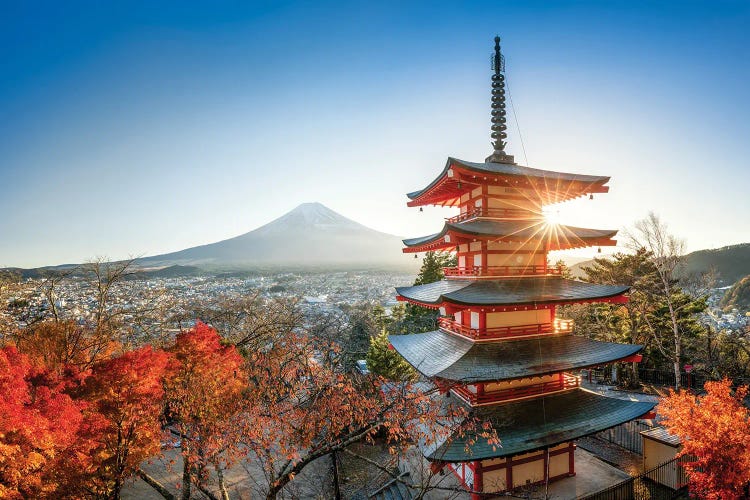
(204, 392)
(715, 429)
(37, 424)
(126, 401)
(289, 401)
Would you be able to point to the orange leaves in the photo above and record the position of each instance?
(715, 430)
(37, 424)
(205, 391)
(288, 402)
(126, 398)
(57, 345)
(304, 405)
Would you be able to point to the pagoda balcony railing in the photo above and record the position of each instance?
(501, 332)
(565, 382)
(497, 213)
(474, 271)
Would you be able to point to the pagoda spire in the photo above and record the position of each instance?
(498, 108)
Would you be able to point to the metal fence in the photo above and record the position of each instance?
(667, 481)
(665, 378)
(627, 435)
(657, 377)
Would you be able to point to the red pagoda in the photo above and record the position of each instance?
(500, 346)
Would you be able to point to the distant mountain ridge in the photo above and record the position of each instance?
(311, 235)
(731, 263)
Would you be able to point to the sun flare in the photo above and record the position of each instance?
(551, 216)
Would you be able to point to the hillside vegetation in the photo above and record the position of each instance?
(731, 263)
(738, 296)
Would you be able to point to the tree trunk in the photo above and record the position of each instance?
(185, 477)
(119, 466)
(677, 347)
(156, 485)
(336, 489)
(222, 483)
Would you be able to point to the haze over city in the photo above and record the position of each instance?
(132, 130)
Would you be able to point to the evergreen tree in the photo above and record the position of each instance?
(620, 322)
(385, 361)
(646, 318)
(565, 271)
(432, 267)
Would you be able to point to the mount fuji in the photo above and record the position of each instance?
(311, 235)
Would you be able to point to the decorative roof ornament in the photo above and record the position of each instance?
(498, 109)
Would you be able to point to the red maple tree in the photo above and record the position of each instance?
(205, 398)
(715, 433)
(123, 417)
(38, 425)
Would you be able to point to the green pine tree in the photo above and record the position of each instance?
(384, 361)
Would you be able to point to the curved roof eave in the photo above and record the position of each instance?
(450, 357)
(522, 228)
(534, 424)
(509, 291)
(509, 169)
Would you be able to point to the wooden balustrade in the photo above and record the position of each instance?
(565, 382)
(500, 332)
(494, 213)
(530, 270)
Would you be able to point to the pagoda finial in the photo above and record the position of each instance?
(498, 108)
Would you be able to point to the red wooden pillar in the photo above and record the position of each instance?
(485, 257)
(509, 473)
(485, 208)
(571, 459)
(482, 323)
(480, 389)
(478, 479)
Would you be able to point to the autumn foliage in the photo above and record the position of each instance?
(123, 416)
(38, 424)
(715, 433)
(205, 399)
(77, 423)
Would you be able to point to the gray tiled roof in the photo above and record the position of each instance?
(534, 424)
(662, 435)
(513, 169)
(527, 229)
(441, 354)
(509, 291)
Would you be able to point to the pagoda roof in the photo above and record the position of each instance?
(531, 290)
(552, 186)
(534, 424)
(451, 357)
(554, 236)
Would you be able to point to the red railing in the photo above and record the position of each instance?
(558, 326)
(563, 383)
(497, 213)
(529, 270)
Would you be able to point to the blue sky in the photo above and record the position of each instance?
(145, 127)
